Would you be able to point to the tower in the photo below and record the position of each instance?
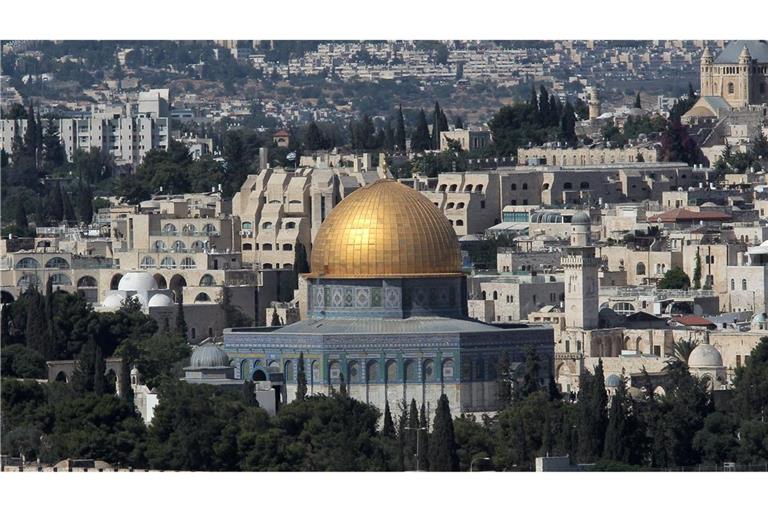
(706, 72)
(594, 103)
(581, 282)
(745, 76)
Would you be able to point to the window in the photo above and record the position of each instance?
(207, 280)
(158, 246)
(247, 226)
(168, 262)
(640, 270)
(287, 247)
(57, 262)
(202, 297)
(743, 284)
(449, 206)
(147, 262)
(731, 88)
(198, 246)
(266, 225)
(178, 246)
(733, 284)
(514, 186)
(247, 247)
(27, 263)
(583, 185)
(459, 222)
(209, 229)
(169, 229)
(188, 263)
(266, 247)
(60, 280)
(290, 225)
(525, 186)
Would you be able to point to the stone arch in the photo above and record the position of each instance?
(177, 284)
(640, 269)
(62, 377)
(410, 370)
(314, 374)
(390, 370)
(245, 369)
(115, 281)
(372, 371)
(334, 371)
(6, 297)
(57, 262)
(207, 280)
(87, 282)
(202, 297)
(447, 369)
(288, 372)
(428, 370)
(259, 375)
(27, 263)
(353, 372)
(160, 280)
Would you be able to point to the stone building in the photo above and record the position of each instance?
(386, 313)
(739, 74)
(587, 155)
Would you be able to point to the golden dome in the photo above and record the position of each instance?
(385, 229)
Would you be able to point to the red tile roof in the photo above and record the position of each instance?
(692, 321)
(281, 133)
(683, 215)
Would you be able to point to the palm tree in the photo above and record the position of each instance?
(681, 351)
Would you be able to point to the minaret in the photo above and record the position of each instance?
(745, 76)
(594, 103)
(706, 72)
(581, 281)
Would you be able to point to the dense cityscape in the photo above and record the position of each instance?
(273, 255)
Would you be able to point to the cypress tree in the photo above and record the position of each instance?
(388, 428)
(30, 136)
(531, 376)
(534, 101)
(697, 271)
(568, 125)
(543, 105)
(593, 414)
(21, 221)
(400, 130)
(55, 204)
(459, 124)
(420, 140)
(402, 435)
(99, 368)
(413, 424)
(275, 318)
(342, 385)
(85, 368)
(36, 332)
(442, 446)
(313, 138)
(68, 212)
(389, 135)
(125, 391)
(181, 323)
(618, 437)
(637, 101)
(423, 440)
(85, 204)
(301, 379)
(249, 393)
(54, 154)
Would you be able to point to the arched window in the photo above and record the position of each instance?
(479, 188)
(733, 284)
(372, 371)
(334, 371)
(459, 222)
(266, 266)
(409, 370)
(27, 263)
(147, 262)
(288, 266)
(87, 282)
(288, 371)
(567, 185)
(495, 295)
(115, 281)
(266, 247)
(449, 206)
(459, 206)
(640, 269)
(168, 262)
(287, 247)
(158, 246)
(247, 226)
(290, 225)
(198, 246)
(391, 369)
(169, 229)
(731, 88)
(743, 284)
(207, 280)
(452, 188)
(189, 229)
(57, 262)
(178, 246)
(209, 229)
(160, 280)
(28, 280)
(247, 247)
(266, 225)
(468, 188)
(353, 372)
(545, 186)
(202, 297)
(428, 371)
(583, 185)
(60, 280)
(447, 372)
(188, 263)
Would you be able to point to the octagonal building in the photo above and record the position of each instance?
(384, 312)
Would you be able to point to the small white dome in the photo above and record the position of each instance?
(705, 356)
(137, 282)
(159, 300)
(112, 302)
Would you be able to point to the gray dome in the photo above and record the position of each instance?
(760, 318)
(705, 356)
(613, 381)
(581, 218)
(209, 356)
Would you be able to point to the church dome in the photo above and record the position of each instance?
(137, 282)
(705, 356)
(385, 229)
(209, 356)
(112, 302)
(159, 300)
(613, 381)
(580, 218)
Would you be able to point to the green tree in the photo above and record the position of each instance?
(593, 414)
(275, 318)
(504, 381)
(37, 331)
(388, 428)
(420, 139)
(637, 103)
(181, 323)
(400, 130)
(22, 224)
(568, 126)
(54, 155)
(622, 435)
(301, 378)
(697, 271)
(674, 279)
(422, 440)
(313, 137)
(530, 383)
(442, 446)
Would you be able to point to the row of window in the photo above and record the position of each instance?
(56, 262)
(168, 262)
(267, 247)
(189, 229)
(179, 246)
(454, 188)
(246, 226)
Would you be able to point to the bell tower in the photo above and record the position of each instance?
(707, 88)
(593, 102)
(581, 280)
